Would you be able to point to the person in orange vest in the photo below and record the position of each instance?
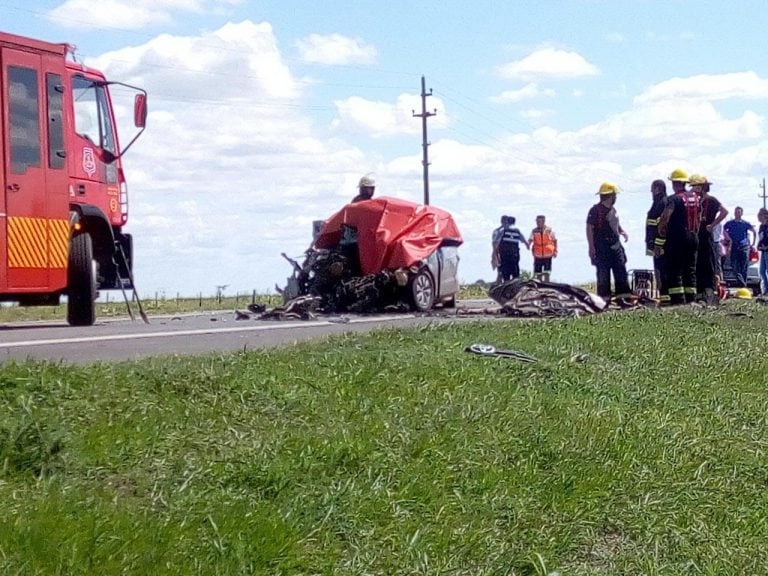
(544, 247)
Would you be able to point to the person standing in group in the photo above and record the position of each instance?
(544, 247)
(737, 236)
(678, 239)
(762, 247)
(509, 250)
(366, 188)
(708, 271)
(495, 241)
(659, 200)
(605, 250)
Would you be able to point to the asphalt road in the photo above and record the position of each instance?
(121, 339)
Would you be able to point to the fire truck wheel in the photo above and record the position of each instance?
(421, 291)
(81, 282)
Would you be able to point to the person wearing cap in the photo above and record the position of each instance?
(659, 201)
(605, 250)
(495, 240)
(738, 237)
(509, 249)
(708, 271)
(366, 187)
(678, 239)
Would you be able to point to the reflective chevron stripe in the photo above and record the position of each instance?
(37, 243)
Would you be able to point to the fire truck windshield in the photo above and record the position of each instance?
(92, 114)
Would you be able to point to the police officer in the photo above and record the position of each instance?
(509, 249)
(678, 239)
(366, 187)
(605, 250)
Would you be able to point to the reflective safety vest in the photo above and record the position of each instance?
(543, 243)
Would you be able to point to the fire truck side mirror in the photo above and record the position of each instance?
(140, 110)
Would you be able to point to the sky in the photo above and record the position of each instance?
(265, 114)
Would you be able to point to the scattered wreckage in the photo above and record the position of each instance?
(376, 255)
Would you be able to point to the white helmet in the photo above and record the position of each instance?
(366, 182)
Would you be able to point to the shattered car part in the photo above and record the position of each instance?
(489, 350)
(534, 298)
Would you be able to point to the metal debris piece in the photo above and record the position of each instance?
(489, 350)
(300, 308)
(532, 298)
(241, 315)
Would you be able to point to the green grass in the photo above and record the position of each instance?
(636, 445)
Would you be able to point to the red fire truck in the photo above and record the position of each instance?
(63, 195)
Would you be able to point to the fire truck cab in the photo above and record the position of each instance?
(63, 195)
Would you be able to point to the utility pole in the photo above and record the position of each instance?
(424, 143)
(763, 195)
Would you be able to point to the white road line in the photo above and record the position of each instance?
(198, 332)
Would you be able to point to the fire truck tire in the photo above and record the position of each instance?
(421, 291)
(81, 282)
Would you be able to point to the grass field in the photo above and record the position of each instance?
(636, 445)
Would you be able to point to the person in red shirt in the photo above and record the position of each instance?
(708, 272)
(605, 250)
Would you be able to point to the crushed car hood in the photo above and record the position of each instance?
(391, 233)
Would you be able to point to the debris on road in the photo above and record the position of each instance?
(489, 350)
(534, 298)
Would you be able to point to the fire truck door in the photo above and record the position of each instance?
(25, 234)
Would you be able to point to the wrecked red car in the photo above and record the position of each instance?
(380, 253)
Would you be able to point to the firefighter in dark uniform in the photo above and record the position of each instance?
(678, 239)
(708, 271)
(605, 250)
(509, 250)
(659, 195)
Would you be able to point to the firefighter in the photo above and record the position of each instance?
(366, 187)
(544, 247)
(708, 271)
(605, 250)
(678, 239)
(659, 196)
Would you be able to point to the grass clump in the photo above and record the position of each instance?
(634, 446)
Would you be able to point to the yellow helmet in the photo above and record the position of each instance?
(697, 179)
(608, 188)
(743, 293)
(679, 175)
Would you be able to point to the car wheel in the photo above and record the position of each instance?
(421, 291)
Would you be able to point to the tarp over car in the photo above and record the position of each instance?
(391, 233)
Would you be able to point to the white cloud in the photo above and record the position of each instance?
(537, 115)
(708, 87)
(127, 14)
(335, 49)
(548, 63)
(527, 92)
(358, 115)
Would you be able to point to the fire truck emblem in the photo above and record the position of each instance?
(89, 161)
